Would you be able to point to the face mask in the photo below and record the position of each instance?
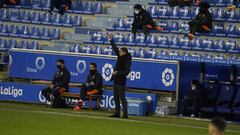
(92, 72)
(136, 11)
(59, 66)
(193, 87)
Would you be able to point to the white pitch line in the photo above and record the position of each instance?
(82, 115)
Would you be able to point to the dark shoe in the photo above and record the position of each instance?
(125, 117)
(115, 116)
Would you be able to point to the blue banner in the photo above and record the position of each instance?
(145, 73)
(24, 92)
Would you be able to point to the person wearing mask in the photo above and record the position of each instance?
(92, 86)
(59, 84)
(143, 21)
(234, 5)
(9, 2)
(217, 126)
(193, 99)
(61, 5)
(119, 76)
(202, 23)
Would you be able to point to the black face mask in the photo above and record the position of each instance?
(92, 72)
(58, 66)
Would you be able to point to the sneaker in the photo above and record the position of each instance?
(159, 28)
(76, 108)
(192, 115)
(125, 117)
(115, 116)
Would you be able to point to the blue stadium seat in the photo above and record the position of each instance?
(228, 2)
(232, 31)
(132, 51)
(119, 39)
(46, 19)
(108, 51)
(86, 49)
(129, 40)
(36, 17)
(208, 45)
(35, 33)
(163, 41)
(55, 34)
(152, 41)
(25, 4)
(163, 55)
(14, 31)
(219, 45)
(231, 16)
(67, 20)
(184, 28)
(219, 3)
(194, 12)
(45, 4)
(128, 23)
(97, 38)
(77, 21)
(25, 17)
(140, 53)
(174, 13)
(218, 14)
(15, 15)
(24, 32)
(219, 30)
(164, 25)
(88, 7)
(36, 4)
(236, 103)
(163, 12)
(3, 29)
(33, 45)
(2, 44)
(56, 19)
(185, 43)
(162, 2)
(4, 14)
(151, 53)
(12, 43)
(174, 42)
(77, 7)
(120, 24)
(45, 33)
(97, 8)
(75, 48)
(23, 44)
(224, 99)
(196, 44)
(174, 55)
(185, 13)
(231, 46)
(153, 10)
(140, 40)
(174, 27)
(97, 50)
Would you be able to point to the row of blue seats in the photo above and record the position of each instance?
(164, 41)
(219, 30)
(33, 32)
(77, 6)
(46, 18)
(158, 54)
(186, 13)
(216, 3)
(12, 43)
(224, 99)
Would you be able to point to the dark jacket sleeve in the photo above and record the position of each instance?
(146, 19)
(204, 20)
(114, 47)
(98, 84)
(54, 78)
(127, 67)
(69, 4)
(65, 79)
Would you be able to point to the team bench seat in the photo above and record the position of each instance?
(88, 97)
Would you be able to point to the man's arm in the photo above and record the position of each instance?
(127, 69)
(114, 47)
(98, 84)
(65, 79)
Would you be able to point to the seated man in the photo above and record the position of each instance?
(217, 126)
(234, 5)
(60, 82)
(143, 21)
(61, 5)
(9, 2)
(93, 85)
(195, 98)
(202, 23)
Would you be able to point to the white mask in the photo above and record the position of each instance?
(193, 87)
(136, 11)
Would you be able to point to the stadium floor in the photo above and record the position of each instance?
(32, 119)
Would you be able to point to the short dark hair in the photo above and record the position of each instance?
(94, 64)
(137, 6)
(124, 49)
(219, 123)
(61, 61)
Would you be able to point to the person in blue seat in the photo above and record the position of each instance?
(202, 23)
(93, 85)
(234, 5)
(59, 84)
(9, 2)
(61, 5)
(217, 126)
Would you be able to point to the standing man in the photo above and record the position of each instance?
(60, 82)
(217, 126)
(121, 70)
(61, 5)
(93, 85)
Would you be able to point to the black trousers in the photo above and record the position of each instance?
(119, 94)
(142, 28)
(83, 92)
(48, 91)
(57, 5)
(190, 102)
(196, 26)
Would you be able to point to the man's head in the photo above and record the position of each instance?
(204, 6)
(60, 63)
(194, 84)
(217, 126)
(123, 51)
(93, 68)
(137, 8)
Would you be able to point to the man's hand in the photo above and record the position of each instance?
(51, 86)
(232, 7)
(110, 36)
(115, 73)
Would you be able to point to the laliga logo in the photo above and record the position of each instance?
(83, 69)
(167, 77)
(41, 97)
(10, 60)
(107, 71)
(40, 63)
